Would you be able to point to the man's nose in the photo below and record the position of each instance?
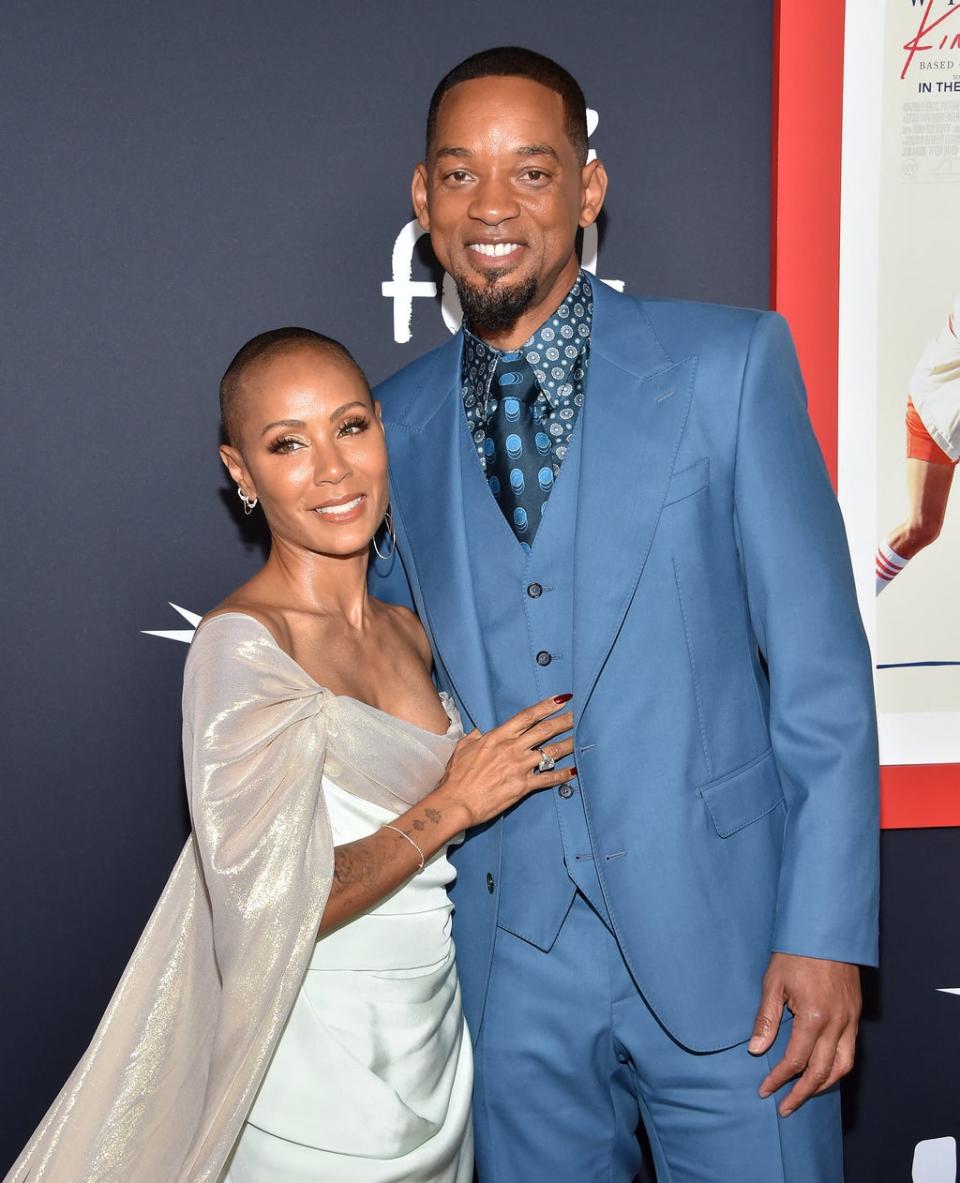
(493, 203)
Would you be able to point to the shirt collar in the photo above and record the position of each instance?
(553, 351)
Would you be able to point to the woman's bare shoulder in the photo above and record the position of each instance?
(245, 602)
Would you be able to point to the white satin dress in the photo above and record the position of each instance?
(371, 1079)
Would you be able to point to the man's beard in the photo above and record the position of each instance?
(492, 309)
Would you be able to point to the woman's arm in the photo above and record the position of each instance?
(368, 870)
(487, 774)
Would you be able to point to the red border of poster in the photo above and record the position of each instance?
(805, 287)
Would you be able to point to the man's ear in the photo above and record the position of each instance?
(418, 195)
(593, 191)
(234, 464)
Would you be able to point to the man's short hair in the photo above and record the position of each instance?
(261, 348)
(512, 61)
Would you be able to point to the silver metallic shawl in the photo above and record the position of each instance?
(173, 1068)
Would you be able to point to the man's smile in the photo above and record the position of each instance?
(495, 250)
(493, 261)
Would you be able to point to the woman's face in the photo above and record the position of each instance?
(311, 448)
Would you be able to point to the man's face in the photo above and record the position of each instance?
(503, 195)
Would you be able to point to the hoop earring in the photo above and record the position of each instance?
(249, 503)
(388, 522)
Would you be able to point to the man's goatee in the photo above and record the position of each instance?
(494, 309)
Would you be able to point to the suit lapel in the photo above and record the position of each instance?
(632, 420)
(427, 449)
(633, 417)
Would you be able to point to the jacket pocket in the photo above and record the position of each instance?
(743, 796)
(688, 481)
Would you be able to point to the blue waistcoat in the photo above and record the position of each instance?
(547, 852)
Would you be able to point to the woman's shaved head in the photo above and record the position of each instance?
(260, 349)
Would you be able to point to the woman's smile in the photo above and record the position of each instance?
(344, 509)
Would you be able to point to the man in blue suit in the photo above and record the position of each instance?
(624, 499)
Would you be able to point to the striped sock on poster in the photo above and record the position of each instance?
(889, 565)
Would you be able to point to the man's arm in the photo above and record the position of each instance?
(822, 722)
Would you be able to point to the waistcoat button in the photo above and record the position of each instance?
(543, 657)
(535, 590)
(490, 883)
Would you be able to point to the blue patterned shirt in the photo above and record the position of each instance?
(558, 352)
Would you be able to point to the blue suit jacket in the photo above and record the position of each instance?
(745, 798)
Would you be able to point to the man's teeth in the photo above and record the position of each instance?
(337, 510)
(494, 248)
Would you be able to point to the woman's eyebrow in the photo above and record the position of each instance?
(357, 402)
(283, 423)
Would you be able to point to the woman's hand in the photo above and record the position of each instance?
(490, 771)
(487, 773)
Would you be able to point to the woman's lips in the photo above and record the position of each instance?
(342, 511)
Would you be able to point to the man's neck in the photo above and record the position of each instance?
(531, 320)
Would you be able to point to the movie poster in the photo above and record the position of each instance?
(899, 396)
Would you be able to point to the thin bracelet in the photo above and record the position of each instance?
(415, 846)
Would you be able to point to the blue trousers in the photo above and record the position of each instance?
(570, 1059)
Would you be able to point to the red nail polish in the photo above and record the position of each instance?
(573, 769)
(562, 698)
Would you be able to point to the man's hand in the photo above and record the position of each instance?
(824, 997)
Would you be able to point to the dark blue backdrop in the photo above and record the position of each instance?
(179, 177)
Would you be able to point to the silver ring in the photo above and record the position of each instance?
(547, 762)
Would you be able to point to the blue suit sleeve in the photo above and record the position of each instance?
(799, 583)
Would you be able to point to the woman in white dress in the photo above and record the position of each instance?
(291, 1012)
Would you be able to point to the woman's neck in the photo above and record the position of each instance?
(333, 585)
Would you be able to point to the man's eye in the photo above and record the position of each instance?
(458, 175)
(535, 174)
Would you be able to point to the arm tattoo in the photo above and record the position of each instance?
(419, 825)
(352, 865)
(434, 815)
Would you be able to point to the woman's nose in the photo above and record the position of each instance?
(329, 466)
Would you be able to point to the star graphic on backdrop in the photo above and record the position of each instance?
(177, 634)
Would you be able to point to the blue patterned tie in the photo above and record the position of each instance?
(516, 447)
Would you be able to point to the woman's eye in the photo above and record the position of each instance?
(354, 426)
(285, 444)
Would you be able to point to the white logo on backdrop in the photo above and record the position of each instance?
(935, 1161)
(403, 289)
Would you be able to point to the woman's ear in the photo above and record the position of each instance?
(233, 462)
